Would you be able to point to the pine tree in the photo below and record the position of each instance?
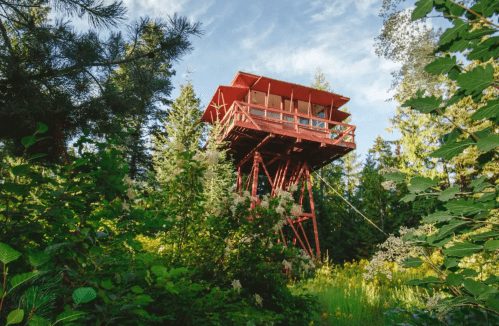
(67, 79)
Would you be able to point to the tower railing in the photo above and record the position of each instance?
(259, 115)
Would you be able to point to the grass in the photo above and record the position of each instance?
(346, 298)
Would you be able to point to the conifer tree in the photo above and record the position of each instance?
(65, 78)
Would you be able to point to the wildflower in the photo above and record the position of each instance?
(264, 204)
(293, 188)
(125, 206)
(130, 193)
(236, 285)
(296, 210)
(258, 300)
(351, 316)
(286, 264)
(280, 210)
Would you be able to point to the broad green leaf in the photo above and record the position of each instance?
(449, 228)
(68, 316)
(395, 177)
(441, 65)
(423, 7)
(107, 284)
(454, 279)
(451, 34)
(28, 141)
(80, 161)
(478, 289)
(38, 321)
(492, 245)
(482, 187)
(462, 249)
(468, 272)
(420, 184)
(160, 271)
(56, 246)
(479, 33)
(434, 241)
(489, 7)
(491, 280)
(493, 303)
(7, 254)
(452, 149)
(38, 258)
(485, 235)
(424, 104)
(15, 317)
(407, 198)
(454, 9)
(137, 289)
(491, 110)
(476, 80)
(35, 156)
(413, 262)
(487, 197)
(463, 207)
(21, 278)
(487, 144)
(478, 181)
(426, 280)
(448, 193)
(450, 262)
(21, 169)
(438, 217)
(485, 50)
(84, 295)
(41, 128)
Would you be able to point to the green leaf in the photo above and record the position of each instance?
(478, 289)
(492, 245)
(7, 254)
(34, 156)
(441, 65)
(433, 241)
(462, 249)
(452, 149)
(448, 193)
(489, 7)
(485, 50)
(413, 262)
(41, 128)
(476, 80)
(15, 317)
(424, 104)
(21, 169)
(454, 9)
(449, 228)
(107, 284)
(38, 321)
(84, 295)
(438, 217)
(160, 271)
(137, 289)
(395, 177)
(450, 262)
(408, 198)
(478, 181)
(420, 184)
(463, 207)
(28, 141)
(423, 7)
(68, 316)
(38, 258)
(485, 235)
(460, 27)
(21, 278)
(488, 143)
(426, 280)
(468, 272)
(491, 110)
(454, 279)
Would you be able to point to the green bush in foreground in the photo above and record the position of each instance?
(84, 245)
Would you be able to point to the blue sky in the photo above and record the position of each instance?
(288, 40)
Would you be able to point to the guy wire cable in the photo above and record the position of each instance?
(351, 204)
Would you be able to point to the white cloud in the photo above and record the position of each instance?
(251, 41)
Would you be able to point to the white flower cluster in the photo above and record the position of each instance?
(394, 249)
(258, 300)
(236, 285)
(388, 169)
(286, 264)
(306, 262)
(296, 210)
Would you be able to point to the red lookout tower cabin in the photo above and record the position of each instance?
(286, 129)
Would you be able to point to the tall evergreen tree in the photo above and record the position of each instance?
(53, 74)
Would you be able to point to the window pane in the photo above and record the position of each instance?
(304, 121)
(320, 124)
(257, 97)
(318, 110)
(274, 101)
(257, 112)
(303, 107)
(273, 115)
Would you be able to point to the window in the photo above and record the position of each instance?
(257, 97)
(274, 101)
(318, 111)
(288, 118)
(273, 115)
(257, 112)
(302, 107)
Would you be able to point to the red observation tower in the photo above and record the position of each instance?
(281, 131)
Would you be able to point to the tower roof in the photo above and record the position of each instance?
(242, 82)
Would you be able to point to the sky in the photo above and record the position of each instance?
(288, 40)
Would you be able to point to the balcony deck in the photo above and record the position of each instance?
(280, 135)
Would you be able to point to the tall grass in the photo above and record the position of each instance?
(346, 298)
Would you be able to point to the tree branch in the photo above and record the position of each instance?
(474, 13)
